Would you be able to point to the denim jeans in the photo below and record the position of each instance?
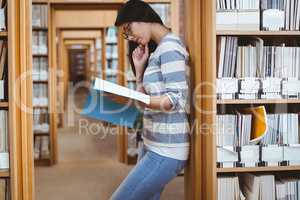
(148, 178)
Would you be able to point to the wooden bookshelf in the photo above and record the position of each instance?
(4, 174)
(44, 28)
(258, 169)
(201, 36)
(3, 33)
(258, 101)
(4, 104)
(258, 33)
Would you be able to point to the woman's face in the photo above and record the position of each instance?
(139, 32)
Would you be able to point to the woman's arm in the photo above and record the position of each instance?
(156, 102)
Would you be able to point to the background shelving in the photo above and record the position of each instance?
(41, 116)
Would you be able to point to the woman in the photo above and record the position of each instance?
(163, 76)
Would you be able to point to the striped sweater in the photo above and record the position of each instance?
(167, 74)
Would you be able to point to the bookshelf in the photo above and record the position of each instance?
(43, 128)
(203, 37)
(17, 177)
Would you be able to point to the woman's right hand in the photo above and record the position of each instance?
(140, 56)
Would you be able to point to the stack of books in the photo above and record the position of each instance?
(40, 69)
(39, 42)
(238, 15)
(280, 15)
(229, 188)
(254, 186)
(164, 11)
(39, 15)
(3, 70)
(4, 155)
(40, 94)
(41, 147)
(40, 120)
(3, 10)
(5, 189)
(248, 69)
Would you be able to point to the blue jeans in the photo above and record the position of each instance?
(148, 178)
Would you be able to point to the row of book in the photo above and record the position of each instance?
(40, 94)
(3, 69)
(112, 51)
(254, 59)
(237, 4)
(252, 186)
(281, 15)
(4, 145)
(41, 147)
(3, 11)
(257, 139)
(39, 15)
(40, 69)
(164, 11)
(5, 189)
(40, 120)
(111, 36)
(257, 88)
(254, 15)
(235, 129)
(39, 42)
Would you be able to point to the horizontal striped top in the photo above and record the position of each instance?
(167, 74)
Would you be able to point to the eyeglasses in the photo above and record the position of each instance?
(127, 33)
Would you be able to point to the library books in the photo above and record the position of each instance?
(3, 69)
(164, 11)
(238, 15)
(41, 147)
(111, 36)
(281, 15)
(257, 187)
(4, 155)
(39, 42)
(40, 120)
(40, 69)
(39, 15)
(229, 188)
(5, 189)
(40, 94)
(3, 10)
(263, 72)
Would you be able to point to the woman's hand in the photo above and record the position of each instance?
(140, 56)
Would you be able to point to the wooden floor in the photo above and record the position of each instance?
(88, 168)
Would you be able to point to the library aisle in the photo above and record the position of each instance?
(88, 168)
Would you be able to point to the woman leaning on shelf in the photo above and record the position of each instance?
(159, 60)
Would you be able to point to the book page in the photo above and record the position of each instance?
(109, 87)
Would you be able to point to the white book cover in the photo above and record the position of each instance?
(121, 91)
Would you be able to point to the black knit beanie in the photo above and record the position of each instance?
(137, 11)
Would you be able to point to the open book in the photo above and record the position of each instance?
(101, 105)
(117, 90)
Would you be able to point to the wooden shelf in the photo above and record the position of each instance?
(40, 55)
(40, 133)
(4, 173)
(40, 106)
(42, 162)
(259, 33)
(39, 28)
(94, 1)
(258, 169)
(37, 81)
(3, 104)
(3, 33)
(258, 101)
